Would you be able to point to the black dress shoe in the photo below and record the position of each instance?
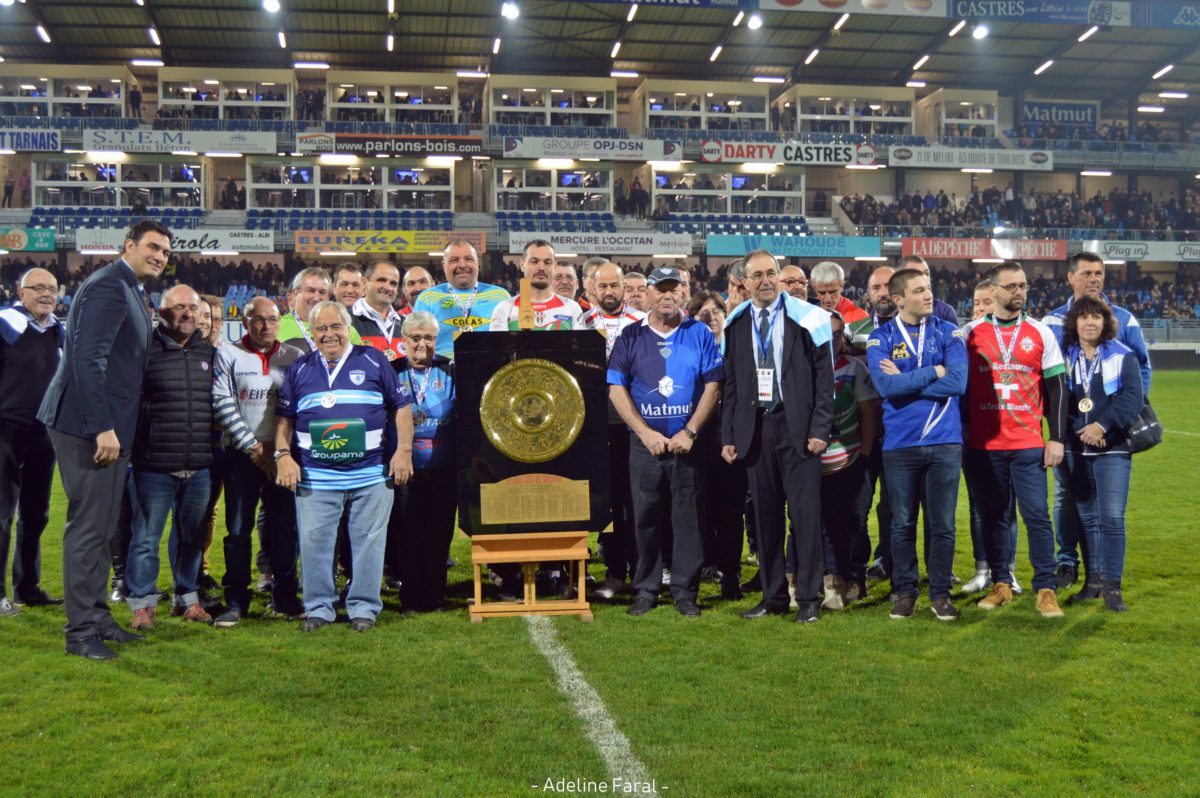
(762, 611)
(35, 598)
(641, 605)
(90, 647)
(687, 608)
(119, 635)
(809, 612)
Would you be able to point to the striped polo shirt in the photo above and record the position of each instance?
(341, 413)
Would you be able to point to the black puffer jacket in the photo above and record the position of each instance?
(176, 420)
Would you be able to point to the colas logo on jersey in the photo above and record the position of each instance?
(466, 321)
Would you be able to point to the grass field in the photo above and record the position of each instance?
(1006, 704)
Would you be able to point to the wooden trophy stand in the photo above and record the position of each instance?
(531, 550)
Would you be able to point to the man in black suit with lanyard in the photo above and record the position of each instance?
(91, 413)
(777, 417)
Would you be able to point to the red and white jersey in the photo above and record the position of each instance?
(1007, 363)
(555, 313)
(610, 326)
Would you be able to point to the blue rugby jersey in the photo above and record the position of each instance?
(459, 310)
(340, 426)
(665, 376)
(433, 412)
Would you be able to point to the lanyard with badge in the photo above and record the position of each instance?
(1006, 352)
(419, 392)
(312, 345)
(1086, 369)
(766, 375)
(935, 415)
(387, 331)
(466, 311)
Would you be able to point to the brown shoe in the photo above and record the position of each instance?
(1047, 604)
(192, 612)
(143, 619)
(999, 595)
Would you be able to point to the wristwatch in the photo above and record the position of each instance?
(691, 433)
(283, 453)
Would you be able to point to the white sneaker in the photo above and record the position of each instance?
(8, 609)
(792, 603)
(1015, 587)
(981, 581)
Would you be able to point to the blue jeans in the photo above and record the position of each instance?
(245, 486)
(1068, 533)
(1100, 485)
(153, 495)
(922, 476)
(1002, 475)
(318, 513)
(977, 485)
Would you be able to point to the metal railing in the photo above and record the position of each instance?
(1058, 233)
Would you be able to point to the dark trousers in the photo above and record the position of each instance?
(1019, 473)
(422, 526)
(841, 503)
(123, 534)
(780, 470)
(94, 496)
(923, 476)
(978, 481)
(246, 485)
(619, 547)
(26, 474)
(883, 511)
(669, 483)
(724, 523)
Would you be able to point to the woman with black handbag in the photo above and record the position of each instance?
(1105, 398)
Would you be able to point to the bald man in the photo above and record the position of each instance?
(31, 339)
(794, 282)
(416, 280)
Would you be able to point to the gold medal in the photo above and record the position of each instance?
(328, 400)
(418, 418)
(390, 354)
(1086, 405)
(1007, 377)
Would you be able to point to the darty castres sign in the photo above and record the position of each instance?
(792, 152)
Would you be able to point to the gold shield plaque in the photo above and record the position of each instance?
(532, 410)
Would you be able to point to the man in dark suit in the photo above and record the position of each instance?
(91, 413)
(777, 416)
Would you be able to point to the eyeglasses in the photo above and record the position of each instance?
(418, 339)
(269, 322)
(1012, 288)
(41, 289)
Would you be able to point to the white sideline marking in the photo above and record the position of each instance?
(1181, 432)
(613, 747)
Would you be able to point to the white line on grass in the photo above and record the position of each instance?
(1181, 432)
(613, 747)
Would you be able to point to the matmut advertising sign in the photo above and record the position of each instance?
(1168, 251)
(385, 144)
(411, 242)
(608, 149)
(970, 158)
(973, 248)
(793, 153)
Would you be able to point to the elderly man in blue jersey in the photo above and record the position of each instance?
(664, 380)
(333, 412)
(918, 363)
(1085, 273)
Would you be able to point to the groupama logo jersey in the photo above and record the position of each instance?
(341, 412)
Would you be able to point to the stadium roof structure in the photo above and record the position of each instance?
(1115, 65)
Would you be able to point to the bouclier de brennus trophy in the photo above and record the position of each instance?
(532, 441)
